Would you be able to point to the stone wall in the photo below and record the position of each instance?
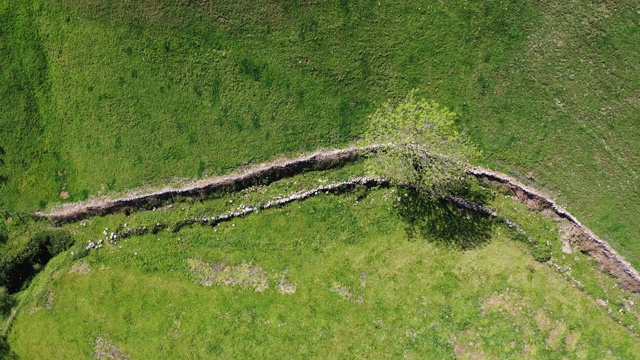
(608, 259)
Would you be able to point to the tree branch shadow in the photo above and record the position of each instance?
(445, 222)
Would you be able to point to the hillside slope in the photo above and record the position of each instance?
(105, 96)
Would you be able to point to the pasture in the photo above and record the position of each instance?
(335, 274)
(102, 97)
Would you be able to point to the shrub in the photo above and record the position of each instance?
(55, 241)
(16, 271)
(5, 350)
(6, 301)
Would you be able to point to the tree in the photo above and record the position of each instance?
(416, 145)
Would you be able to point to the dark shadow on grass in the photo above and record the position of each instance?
(446, 222)
(5, 349)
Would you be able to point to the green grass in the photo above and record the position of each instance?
(566, 109)
(97, 97)
(419, 299)
(100, 97)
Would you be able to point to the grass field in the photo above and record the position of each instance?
(330, 275)
(106, 96)
(97, 97)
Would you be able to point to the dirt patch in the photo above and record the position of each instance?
(556, 335)
(532, 201)
(570, 235)
(503, 303)
(542, 320)
(286, 287)
(64, 195)
(104, 350)
(347, 294)
(244, 275)
(80, 267)
(48, 304)
(571, 340)
(566, 247)
(466, 352)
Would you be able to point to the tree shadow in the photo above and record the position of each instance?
(461, 224)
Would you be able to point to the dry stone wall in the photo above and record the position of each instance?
(608, 259)
(590, 243)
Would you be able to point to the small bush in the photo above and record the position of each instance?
(541, 251)
(55, 241)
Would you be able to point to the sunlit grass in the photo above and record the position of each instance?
(104, 97)
(409, 297)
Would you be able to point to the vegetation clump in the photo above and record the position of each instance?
(417, 145)
(18, 269)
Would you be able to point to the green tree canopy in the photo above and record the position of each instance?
(417, 145)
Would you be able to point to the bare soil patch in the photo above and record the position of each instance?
(48, 304)
(556, 335)
(244, 275)
(571, 340)
(542, 320)
(347, 294)
(503, 303)
(104, 350)
(466, 352)
(80, 267)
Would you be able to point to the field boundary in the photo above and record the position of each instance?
(607, 257)
(256, 175)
